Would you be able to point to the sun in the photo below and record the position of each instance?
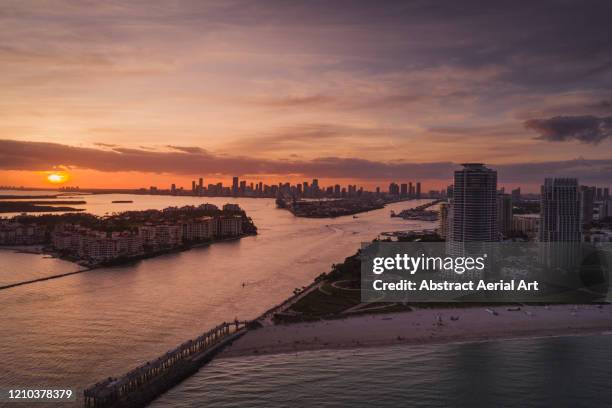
(57, 178)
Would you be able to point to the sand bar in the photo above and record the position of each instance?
(424, 326)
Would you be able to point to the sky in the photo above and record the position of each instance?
(139, 93)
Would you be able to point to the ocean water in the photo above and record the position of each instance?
(74, 331)
(571, 371)
(77, 330)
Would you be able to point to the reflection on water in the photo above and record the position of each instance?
(18, 267)
(79, 329)
(546, 372)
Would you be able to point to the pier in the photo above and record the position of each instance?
(143, 384)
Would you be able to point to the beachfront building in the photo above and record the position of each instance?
(560, 214)
(200, 229)
(474, 208)
(96, 246)
(161, 236)
(16, 233)
(229, 226)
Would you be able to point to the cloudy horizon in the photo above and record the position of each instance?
(342, 90)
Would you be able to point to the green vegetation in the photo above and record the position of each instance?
(337, 294)
(131, 220)
(33, 206)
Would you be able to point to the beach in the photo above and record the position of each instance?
(426, 326)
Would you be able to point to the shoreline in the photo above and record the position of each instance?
(425, 326)
(37, 250)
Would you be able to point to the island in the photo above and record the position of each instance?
(127, 236)
(39, 206)
(329, 208)
(420, 213)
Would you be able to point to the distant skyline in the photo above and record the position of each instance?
(147, 93)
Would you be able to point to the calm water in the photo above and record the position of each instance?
(79, 329)
(553, 372)
(76, 330)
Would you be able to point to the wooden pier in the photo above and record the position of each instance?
(143, 384)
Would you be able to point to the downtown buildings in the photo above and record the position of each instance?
(312, 189)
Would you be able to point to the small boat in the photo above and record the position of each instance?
(122, 201)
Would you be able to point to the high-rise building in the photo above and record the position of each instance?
(235, 185)
(418, 189)
(587, 198)
(504, 213)
(474, 205)
(516, 195)
(444, 220)
(315, 185)
(404, 190)
(560, 212)
(394, 189)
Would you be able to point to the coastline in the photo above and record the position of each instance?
(425, 326)
(38, 250)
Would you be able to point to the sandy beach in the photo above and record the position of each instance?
(423, 326)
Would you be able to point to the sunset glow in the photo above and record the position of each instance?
(57, 178)
(371, 94)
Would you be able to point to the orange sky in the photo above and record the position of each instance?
(300, 89)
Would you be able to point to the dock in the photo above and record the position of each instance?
(143, 384)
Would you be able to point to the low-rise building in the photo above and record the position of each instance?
(16, 233)
(229, 226)
(96, 246)
(598, 235)
(202, 228)
(526, 224)
(231, 207)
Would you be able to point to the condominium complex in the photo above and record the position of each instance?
(15, 233)
(560, 213)
(474, 205)
(96, 246)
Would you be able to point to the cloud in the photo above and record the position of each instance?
(187, 149)
(41, 156)
(293, 101)
(586, 129)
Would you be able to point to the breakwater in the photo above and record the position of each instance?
(143, 384)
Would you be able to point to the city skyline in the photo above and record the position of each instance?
(290, 91)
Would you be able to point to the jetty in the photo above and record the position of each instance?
(143, 384)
